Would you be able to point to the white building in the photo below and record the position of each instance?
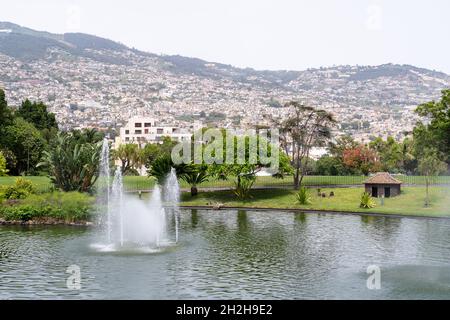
(143, 130)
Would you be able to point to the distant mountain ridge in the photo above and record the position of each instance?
(28, 44)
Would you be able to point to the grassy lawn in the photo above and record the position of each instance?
(42, 184)
(138, 183)
(410, 202)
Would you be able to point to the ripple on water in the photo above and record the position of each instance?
(131, 248)
(236, 255)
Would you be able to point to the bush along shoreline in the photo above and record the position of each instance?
(62, 210)
(71, 208)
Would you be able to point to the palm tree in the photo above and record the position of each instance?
(195, 175)
(161, 167)
(130, 157)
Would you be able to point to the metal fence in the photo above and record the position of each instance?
(144, 183)
(132, 183)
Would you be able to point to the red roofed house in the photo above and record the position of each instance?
(383, 184)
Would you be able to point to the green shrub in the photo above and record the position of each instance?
(66, 206)
(22, 213)
(14, 193)
(303, 196)
(21, 189)
(25, 184)
(366, 201)
(243, 187)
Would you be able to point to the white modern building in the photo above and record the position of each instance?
(143, 130)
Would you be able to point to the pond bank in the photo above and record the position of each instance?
(52, 222)
(44, 221)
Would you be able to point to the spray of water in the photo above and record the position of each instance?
(117, 197)
(104, 185)
(172, 198)
(131, 222)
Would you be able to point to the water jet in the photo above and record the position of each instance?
(131, 222)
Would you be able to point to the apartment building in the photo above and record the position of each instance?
(143, 130)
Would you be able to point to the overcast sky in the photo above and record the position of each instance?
(263, 34)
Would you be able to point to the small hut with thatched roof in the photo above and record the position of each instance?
(383, 184)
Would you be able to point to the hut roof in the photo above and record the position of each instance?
(382, 178)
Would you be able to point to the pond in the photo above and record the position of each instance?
(230, 254)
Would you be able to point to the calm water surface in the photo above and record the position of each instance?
(237, 255)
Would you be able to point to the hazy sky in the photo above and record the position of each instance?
(263, 34)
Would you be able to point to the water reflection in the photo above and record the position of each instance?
(242, 221)
(300, 217)
(239, 254)
(194, 218)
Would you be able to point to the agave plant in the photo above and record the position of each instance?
(366, 201)
(73, 165)
(303, 196)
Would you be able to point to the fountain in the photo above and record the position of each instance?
(172, 198)
(132, 223)
(117, 197)
(104, 181)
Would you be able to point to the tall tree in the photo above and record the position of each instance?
(409, 161)
(130, 157)
(341, 144)
(152, 151)
(37, 114)
(27, 144)
(304, 128)
(5, 115)
(390, 153)
(430, 165)
(436, 133)
(361, 160)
